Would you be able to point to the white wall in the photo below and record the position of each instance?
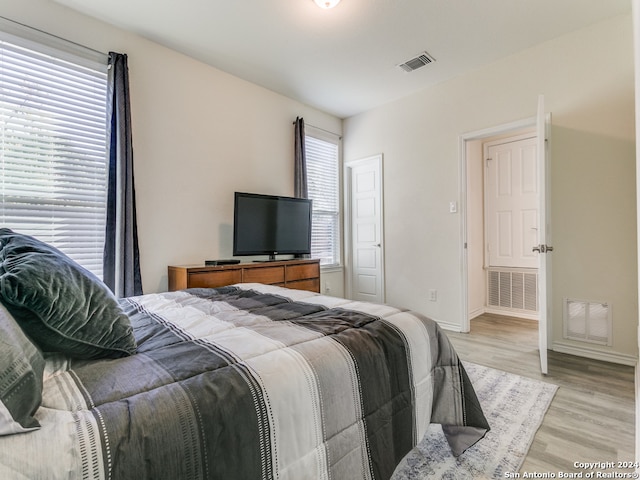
(587, 79)
(199, 134)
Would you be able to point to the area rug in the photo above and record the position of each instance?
(514, 407)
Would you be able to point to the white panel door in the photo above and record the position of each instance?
(365, 213)
(512, 202)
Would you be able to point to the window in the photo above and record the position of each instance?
(53, 166)
(323, 180)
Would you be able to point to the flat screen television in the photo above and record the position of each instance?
(271, 225)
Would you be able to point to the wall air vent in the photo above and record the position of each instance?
(417, 62)
(587, 321)
(512, 290)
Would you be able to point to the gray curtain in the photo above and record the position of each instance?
(121, 260)
(300, 165)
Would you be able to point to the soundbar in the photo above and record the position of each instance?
(230, 261)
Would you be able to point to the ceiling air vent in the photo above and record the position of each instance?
(417, 62)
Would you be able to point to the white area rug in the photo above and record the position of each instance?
(514, 407)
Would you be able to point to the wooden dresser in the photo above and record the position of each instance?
(298, 274)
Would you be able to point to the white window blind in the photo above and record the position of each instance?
(323, 180)
(53, 166)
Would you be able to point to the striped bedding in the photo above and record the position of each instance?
(250, 382)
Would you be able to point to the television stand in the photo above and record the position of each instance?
(301, 274)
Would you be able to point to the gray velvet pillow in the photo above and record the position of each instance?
(60, 305)
(21, 367)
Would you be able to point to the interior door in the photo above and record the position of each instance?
(544, 247)
(364, 185)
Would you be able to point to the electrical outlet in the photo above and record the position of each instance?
(433, 295)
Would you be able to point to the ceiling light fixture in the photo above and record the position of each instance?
(327, 3)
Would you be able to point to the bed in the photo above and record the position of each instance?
(247, 381)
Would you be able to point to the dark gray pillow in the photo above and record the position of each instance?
(60, 305)
(21, 367)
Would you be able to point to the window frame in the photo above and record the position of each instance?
(331, 138)
(29, 44)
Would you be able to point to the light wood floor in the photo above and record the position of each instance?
(592, 416)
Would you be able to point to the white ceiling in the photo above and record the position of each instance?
(344, 60)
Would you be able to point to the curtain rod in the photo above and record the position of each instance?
(322, 129)
(18, 25)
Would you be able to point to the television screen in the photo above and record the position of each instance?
(271, 225)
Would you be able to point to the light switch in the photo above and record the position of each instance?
(453, 207)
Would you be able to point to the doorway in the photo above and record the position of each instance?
(473, 253)
(503, 271)
(475, 148)
(364, 229)
(478, 274)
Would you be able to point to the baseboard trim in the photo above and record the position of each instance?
(500, 311)
(449, 326)
(512, 313)
(612, 357)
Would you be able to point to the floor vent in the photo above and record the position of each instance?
(417, 62)
(513, 290)
(587, 321)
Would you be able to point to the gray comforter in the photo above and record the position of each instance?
(250, 382)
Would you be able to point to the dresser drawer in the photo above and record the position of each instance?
(301, 272)
(268, 275)
(214, 279)
(312, 285)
